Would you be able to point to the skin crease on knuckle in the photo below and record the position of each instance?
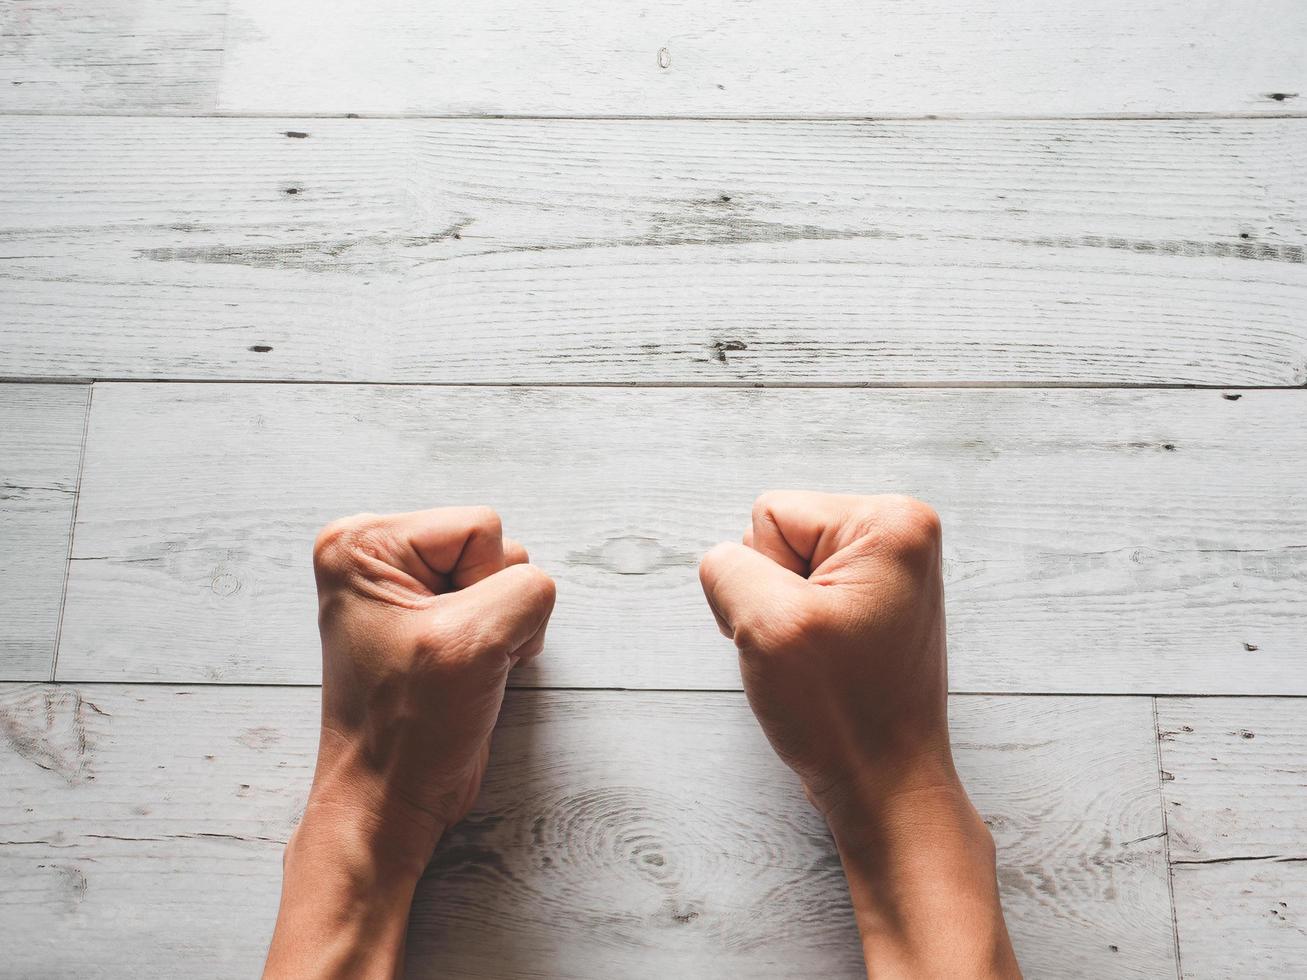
(785, 630)
(340, 545)
(486, 521)
(845, 672)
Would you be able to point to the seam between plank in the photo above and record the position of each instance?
(701, 385)
(72, 531)
(1241, 115)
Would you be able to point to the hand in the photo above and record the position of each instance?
(422, 616)
(836, 606)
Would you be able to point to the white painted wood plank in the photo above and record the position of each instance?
(763, 57)
(723, 57)
(1238, 768)
(110, 55)
(1241, 920)
(618, 834)
(1235, 785)
(40, 453)
(1095, 541)
(654, 251)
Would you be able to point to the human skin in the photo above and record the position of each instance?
(422, 616)
(836, 607)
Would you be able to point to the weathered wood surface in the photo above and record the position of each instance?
(619, 834)
(764, 57)
(117, 56)
(40, 453)
(1235, 785)
(1095, 541)
(675, 57)
(655, 251)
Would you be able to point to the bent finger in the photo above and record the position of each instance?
(742, 584)
(507, 609)
(515, 553)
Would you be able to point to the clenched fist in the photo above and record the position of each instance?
(836, 607)
(422, 616)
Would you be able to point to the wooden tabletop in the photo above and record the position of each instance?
(614, 271)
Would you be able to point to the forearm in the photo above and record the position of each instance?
(921, 871)
(344, 902)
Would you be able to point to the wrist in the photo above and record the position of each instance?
(367, 809)
(363, 844)
(884, 806)
(346, 894)
(920, 864)
(354, 815)
(925, 829)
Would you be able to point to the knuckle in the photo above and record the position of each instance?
(486, 520)
(482, 640)
(544, 584)
(778, 631)
(339, 544)
(766, 504)
(749, 634)
(797, 628)
(534, 581)
(713, 562)
(911, 525)
(450, 648)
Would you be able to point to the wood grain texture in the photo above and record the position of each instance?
(632, 835)
(1235, 788)
(1095, 541)
(653, 251)
(675, 57)
(110, 55)
(40, 454)
(763, 57)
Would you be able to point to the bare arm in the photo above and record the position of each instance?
(422, 616)
(836, 606)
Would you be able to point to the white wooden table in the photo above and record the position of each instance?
(614, 271)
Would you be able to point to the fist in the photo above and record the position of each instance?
(836, 607)
(422, 616)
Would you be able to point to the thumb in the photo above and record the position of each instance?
(506, 609)
(742, 585)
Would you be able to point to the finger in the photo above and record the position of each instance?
(506, 609)
(532, 648)
(448, 547)
(723, 627)
(442, 549)
(742, 585)
(800, 529)
(514, 553)
(747, 540)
